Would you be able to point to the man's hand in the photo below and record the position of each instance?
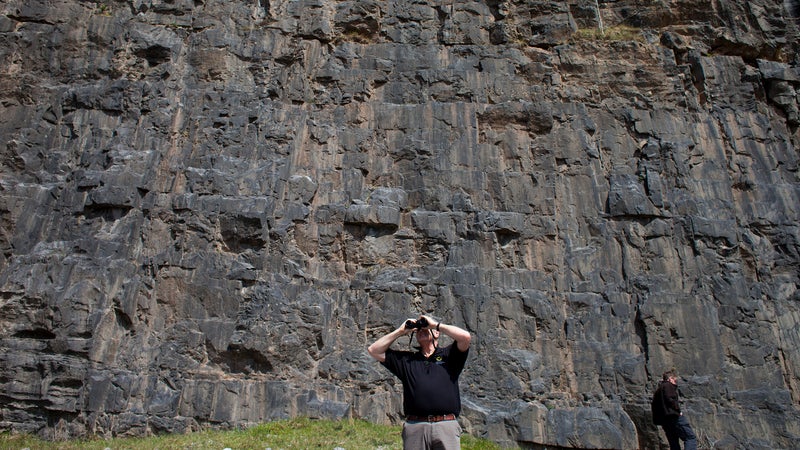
(378, 348)
(430, 321)
(460, 335)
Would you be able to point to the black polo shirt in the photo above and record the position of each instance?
(430, 385)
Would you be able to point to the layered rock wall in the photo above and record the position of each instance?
(210, 209)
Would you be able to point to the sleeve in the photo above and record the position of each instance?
(671, 399)
(394, 362)
(456, 358)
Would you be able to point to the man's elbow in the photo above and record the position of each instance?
(465, 341)
(375, 354)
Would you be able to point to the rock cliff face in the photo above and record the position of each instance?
(210, 209)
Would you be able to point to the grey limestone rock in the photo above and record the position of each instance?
(209, 209)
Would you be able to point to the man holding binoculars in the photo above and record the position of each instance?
(431, 398)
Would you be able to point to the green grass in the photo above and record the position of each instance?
(301, 433)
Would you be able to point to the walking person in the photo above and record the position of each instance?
(431, 397)
(667, 412)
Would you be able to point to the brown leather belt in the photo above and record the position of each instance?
(431, 418)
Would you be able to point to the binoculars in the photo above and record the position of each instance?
(418, 324)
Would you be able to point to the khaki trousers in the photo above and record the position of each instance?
(444, 435)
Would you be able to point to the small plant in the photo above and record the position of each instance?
(103, 9)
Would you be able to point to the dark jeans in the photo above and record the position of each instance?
(679, 430)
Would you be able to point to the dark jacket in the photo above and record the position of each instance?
(665, 405)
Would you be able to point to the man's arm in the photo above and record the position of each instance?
(460, 335)
(671, 397)
(378, 348)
